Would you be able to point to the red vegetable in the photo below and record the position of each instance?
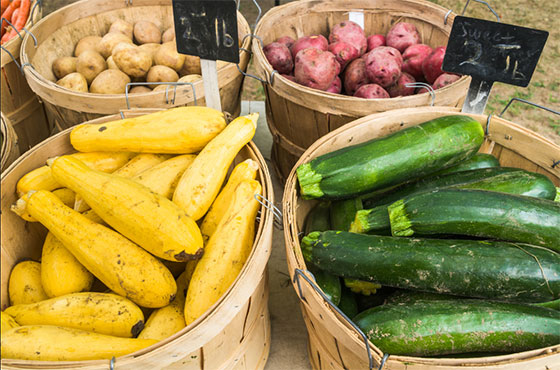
(432, 64)
(19, 23)
(400, 88)
(351, 33)
(315, 68)
(7, 14)
(444, 80)
(375, 41)
(344, 53)
(355, 76)
(383, 65)
(286, 40)
(279, 56)
(402, 35)
(336, 86)
(413, 57)
(371, 91)
(314, 41)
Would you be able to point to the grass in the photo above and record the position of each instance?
(545, 83)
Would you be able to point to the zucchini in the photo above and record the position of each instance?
(343, 213)
(479, 213)
(503, 179)
(348, 303)
(483, 269)
(555, 305)
(427, 328)
(318, 219)
(329, 284)
(413, 152)
(557, 197)
(372, 221)
(477, 161)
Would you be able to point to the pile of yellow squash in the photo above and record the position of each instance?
(141, 221)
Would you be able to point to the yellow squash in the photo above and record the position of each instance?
(180, 130)
(121, 265)
(135, 166)
(246, 170)
(202, 181)
(25, 285)
(41, 179)
(55, 343)
(168, 320)
(152, 221)
(163, 178)
(97, 312)
(225, 254)
(61, 272)
(8, 322)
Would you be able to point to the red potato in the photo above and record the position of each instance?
(316, 68)
(344, 53)
(383, 65)
(413, 57)
(336, 86)
(402, 35)
(431, 66)
(351, 33)
(371, 91)
(375, 41)
(290, 77)
(355, 76)
(444, 80)
(400, 88)
(314, 41)
(286, 40)
(279, 56)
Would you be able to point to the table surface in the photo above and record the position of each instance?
(288, 348)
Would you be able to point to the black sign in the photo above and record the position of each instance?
(493, 51)
(207, 28)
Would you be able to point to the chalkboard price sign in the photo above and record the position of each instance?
(492, 51)
(207, 28)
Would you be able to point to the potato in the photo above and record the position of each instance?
(161, 74)
(168, 35)
(109, 41)
(146, 32)
(111, 81)
(121, 46)
(63, 66)
(139, 90)
(163, 87)
(87, 43)
(167, 55)
(74, 81)
(133, 62)
(191, 66)
(90, 64)
(190, 78)
(111, 63)
(151, 49)
(120, 26)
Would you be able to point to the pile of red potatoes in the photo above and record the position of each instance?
(349, 62)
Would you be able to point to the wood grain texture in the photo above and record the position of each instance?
(333, 343)
(10, 150)
(233, 334)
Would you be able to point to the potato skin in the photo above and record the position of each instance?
(111, 81)
(133, 62)
(74, 81)
(111, 63)
(146, 32)
(151, 49)
(191, 66)
(109, 41)
(87, 43)
(90, 63)
(168, 35)
(121, 26)
(63, 66)
(161, 73)
(167, 55)
(139, 90)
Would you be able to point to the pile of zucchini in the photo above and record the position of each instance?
(433, 249)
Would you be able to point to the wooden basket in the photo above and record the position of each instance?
(58, 33)
(233, 334)
(10, 150)
(333, 342)
(298, 115)
(19, 102)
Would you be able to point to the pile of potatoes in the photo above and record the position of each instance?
(127, 53)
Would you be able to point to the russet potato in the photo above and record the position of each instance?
(74, 81)
(90, 63)
(63, 66)
(111, 81)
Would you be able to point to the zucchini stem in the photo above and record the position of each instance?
(400, 223)
(309, 182)
(307, 244)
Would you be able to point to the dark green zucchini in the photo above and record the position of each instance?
(478, 213)
(329, 284)
(439, 327)
(413, 152)
(318, 219)
(503, 179)
(479, 269)
(348, 303)
(343, 213)
(477, 161)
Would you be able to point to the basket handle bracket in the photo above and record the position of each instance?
(276, 212)
(423, 85)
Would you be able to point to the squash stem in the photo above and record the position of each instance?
(307, 244)
(400, 223)
(309, 182)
